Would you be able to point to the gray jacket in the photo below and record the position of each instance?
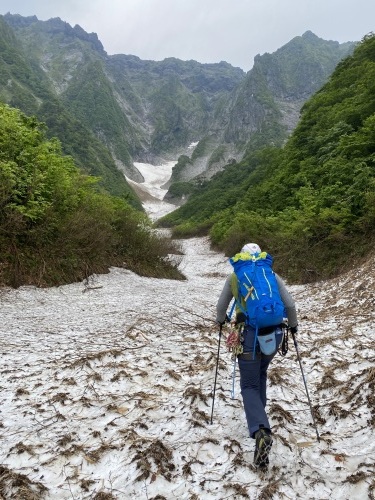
(226, 296)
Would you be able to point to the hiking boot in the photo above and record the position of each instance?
(263, 443)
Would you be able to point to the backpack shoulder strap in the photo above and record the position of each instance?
(234, 285)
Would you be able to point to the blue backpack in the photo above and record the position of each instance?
(258, 295)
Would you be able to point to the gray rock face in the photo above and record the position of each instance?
(150, 111)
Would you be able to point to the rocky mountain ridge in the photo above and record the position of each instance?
(152, 111)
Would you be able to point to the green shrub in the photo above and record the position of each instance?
(310, 203)
(56, 226)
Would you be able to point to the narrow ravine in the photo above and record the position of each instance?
(151, 192)
(106, 391)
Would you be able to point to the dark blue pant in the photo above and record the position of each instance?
(253, 373)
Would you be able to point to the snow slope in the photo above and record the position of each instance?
(106, 391)
(150, 191)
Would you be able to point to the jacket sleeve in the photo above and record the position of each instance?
(288, 302)
(224, 300)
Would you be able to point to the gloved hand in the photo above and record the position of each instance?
(294, 329)
(226, 320)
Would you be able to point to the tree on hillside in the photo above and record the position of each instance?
(56, 226)
(312, 202)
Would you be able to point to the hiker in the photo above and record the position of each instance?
(253, 365)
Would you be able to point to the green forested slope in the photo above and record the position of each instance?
(56, 226)
(175, 99)
(264, 108)
(312, 203)
(25, 86)
(152, 110)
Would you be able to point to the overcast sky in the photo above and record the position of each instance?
(205, 30)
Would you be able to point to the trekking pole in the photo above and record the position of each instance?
(233, 377)
(304, 381)
(217, 366)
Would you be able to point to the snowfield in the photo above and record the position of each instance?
(106, 391)
(151, 192)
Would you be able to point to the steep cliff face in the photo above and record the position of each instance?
(264, 108)
(32, 80)
(281, 82)
(152, 111)
(174, 102)
(140, 110)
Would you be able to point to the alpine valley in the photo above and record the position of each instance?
(112, 111)
(110, 361)
(282, 155)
